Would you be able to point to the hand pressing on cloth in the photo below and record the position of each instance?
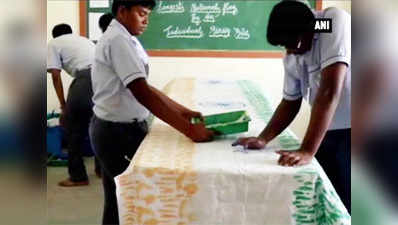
(299, 157)
(295, 158)
(254, 143)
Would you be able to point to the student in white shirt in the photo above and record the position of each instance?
(123, 99)
(74, 54)
(103, 23)
(317, 67)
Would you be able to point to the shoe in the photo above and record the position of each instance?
(69, 183)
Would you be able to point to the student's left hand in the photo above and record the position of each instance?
(294, 158)
(189, 114)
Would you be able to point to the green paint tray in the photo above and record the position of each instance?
(226, 123)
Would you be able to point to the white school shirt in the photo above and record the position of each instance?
(70, 52)
(303, 72)
(119, 60)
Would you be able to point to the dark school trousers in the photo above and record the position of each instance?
(78, 113)
(112, 144)
(334, 155)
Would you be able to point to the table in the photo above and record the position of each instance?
(173, 181)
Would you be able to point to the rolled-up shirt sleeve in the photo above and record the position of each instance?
(53, 57)
(336, 46)
(291, 84)
(125, 60)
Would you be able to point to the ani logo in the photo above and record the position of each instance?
(323, 25)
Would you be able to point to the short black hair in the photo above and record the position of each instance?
(61, 29)
(130, 3)
(288, 20)
(104, 21)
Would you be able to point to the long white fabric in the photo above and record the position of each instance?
(172, 180)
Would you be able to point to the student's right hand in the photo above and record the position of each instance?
(189, 115)
(199, 133)
(250, 143)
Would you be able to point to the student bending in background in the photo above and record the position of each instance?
(74, 54)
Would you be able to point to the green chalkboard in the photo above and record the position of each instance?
(210, 25)
(219, 25)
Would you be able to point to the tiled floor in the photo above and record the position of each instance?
(74, 205)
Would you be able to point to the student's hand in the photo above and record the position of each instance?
(295, 158)
(250, 143)
(189, 114)
(199, 133)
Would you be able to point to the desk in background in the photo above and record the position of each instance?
(173, 181)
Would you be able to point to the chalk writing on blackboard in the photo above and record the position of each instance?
(217, 32)
(241, 33)
(214, 8)
(209, 19)
(188, 32)
(201, 8)
(164, 8)
(229, 9)
(201, 13)
(195, 19)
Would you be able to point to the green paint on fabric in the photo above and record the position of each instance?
(313, 202)
(265, 111)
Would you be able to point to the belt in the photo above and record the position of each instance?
(132, 122)
(83, 72)
(84, 69)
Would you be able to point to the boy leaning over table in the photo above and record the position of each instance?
(317, 67)
(123, 98)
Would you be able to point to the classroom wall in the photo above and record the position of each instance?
(267, 72)
(342, 4)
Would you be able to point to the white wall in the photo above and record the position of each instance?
(268, 72)
(342, 4)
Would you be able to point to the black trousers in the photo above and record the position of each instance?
(78, 113)
(112, 143)
(334, 155)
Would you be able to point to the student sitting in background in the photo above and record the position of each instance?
(317, 67)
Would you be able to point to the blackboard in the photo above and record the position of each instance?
(209, 25)
(196, 25)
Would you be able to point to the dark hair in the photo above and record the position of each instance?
(61, 29)
(104, 21)
(287, 21)
(130, 3)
